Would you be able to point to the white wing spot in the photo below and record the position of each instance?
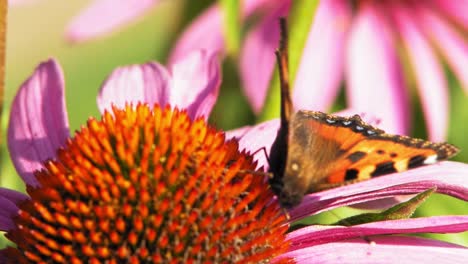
(295, 167)
(430, 160)
(347, 123)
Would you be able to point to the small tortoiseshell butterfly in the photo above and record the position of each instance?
(315, 151)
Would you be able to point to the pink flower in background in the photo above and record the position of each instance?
(38, 126)
(102, 17)
(357, 42)
(360, 45)
(258, 47)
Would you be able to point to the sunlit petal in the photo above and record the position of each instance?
(38, 120)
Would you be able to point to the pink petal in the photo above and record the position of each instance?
(104, 16)
(206, 33)
(429, 75)
(316, 235)
(374, 73)
(38, 120)
(454, 9)
(366, 117)
(257, 59)
(452, 44)
(254, 138)
(321, 68)
(148, 83)
(390, 249)
(449, 178)
(196, 36)
(195, 83)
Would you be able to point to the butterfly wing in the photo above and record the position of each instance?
(338, 150)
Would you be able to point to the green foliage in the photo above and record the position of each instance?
(232, 25)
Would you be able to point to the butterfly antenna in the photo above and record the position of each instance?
(282, 60)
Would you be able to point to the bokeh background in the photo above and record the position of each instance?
(36, 32)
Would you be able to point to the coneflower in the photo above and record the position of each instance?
(150, 184)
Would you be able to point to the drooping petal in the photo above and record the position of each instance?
(9, 200)
(389, 249)
(257, 58)
(147, 83)
(373, 71)
(449, 178)
(38, 123)
(315, 235)
(453, 45)
(104, 16)
(206, 31)
(432, 85)
(195, 83)
(320, 71)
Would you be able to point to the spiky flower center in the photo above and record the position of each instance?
(148, 186)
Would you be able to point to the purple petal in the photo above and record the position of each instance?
(195, 83)
(321, 68)
(206, 30)
(454, 10)
(12, 195)
(9, 200)
(390, 249)
(148, 83)
(315, 235)
(257, 59)
(104, 16)
(449, 178)
(452, 44)
(38, 120)
(429, 75)
(7, 213)
(374, 73)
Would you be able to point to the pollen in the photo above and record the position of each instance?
(148, 185)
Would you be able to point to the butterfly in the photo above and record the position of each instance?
(314, 151)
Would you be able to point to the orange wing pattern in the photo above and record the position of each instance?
(363, 151)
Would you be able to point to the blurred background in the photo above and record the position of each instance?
(35, 32)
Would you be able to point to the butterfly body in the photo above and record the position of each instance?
(313, 151)
(322, 151)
